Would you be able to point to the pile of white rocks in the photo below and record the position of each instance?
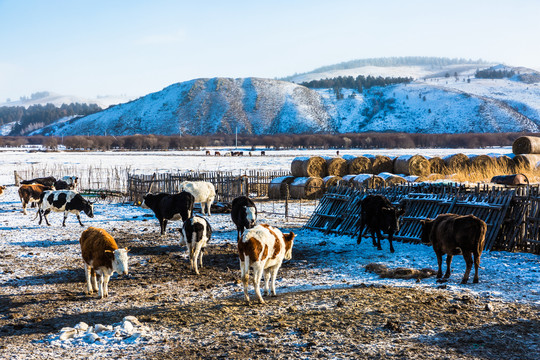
(129, 331)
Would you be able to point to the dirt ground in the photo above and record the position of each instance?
(193, 319)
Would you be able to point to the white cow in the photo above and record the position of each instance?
(263, 248)
(203, 191)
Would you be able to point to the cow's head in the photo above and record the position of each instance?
(289, 239)
(88, 208)
(390, 219)
(147, 201)
(427, 225)
(251, 216)
(119, 258)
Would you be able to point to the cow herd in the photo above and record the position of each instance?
(261, 248)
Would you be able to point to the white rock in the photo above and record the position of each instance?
(99, 328)
(66, 329)
(133, 320)
(68, 334)
(128, 327)
(81, 326)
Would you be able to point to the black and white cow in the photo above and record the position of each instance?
(195, 234)
(379, 215)
(243, 214)
(169, 207)
(67, 201)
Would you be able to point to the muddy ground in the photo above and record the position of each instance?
(206, 317)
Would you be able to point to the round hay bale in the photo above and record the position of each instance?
(392, 179)
(337, 166)
(527, 161)
(347, 180)
(411, 165)
(358, 164)
(482, 161)
(415, 178)
(457, 161)
(437, 165)
(307, 188)
(381, 163)
(314, 166)
(526, 145)
(331, 180)
(367, 180)
(504, 162)
(277, 189)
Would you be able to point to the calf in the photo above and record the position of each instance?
(379, 215)
(101, 255)
(243, 214)
(453, 234)
(263, 248)
(46, 181)
(31, 194)
(203, 191)
(169, 207)
(67, 201)
(195, 233)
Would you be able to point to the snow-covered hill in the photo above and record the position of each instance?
(437, 103)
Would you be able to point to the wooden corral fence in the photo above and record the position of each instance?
(512, 214)
(228, 184)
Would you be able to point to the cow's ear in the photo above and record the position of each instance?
(127, 249)
(109, 254)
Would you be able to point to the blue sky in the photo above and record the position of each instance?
(91, 48)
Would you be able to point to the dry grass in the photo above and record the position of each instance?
(485, 173)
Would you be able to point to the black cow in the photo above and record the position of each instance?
(63, 201)
(45, 181)
(243, 214)
(379, 215)
(63, 185)
(453, 234)
(169, 207)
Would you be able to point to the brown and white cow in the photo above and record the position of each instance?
(31, 194)
(101, 255)
(453, 234)
(263, 248)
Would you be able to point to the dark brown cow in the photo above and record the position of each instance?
(31, 193)
(453, 234)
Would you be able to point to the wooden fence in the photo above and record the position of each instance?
(512, 214)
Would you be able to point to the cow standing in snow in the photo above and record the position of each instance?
(169, 207)
(31, 194)
(66, 201)
(243, 214)
(263, 248)
(101, 255)
(196, 233)
(204, 193)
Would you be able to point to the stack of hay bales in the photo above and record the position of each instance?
(437, 165)
(331, 180)
(358, 164)
(381, 163)
(277, 189)
(337, 166)
(412, 165)
(307, 188)
(456, 162)
(370, 181)
(527, 151)
(392, 179)
(314, 166)
(481, 162)
(504, 162)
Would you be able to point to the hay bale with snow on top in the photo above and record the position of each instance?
(347, 180)
(526, 145)
(381, 163)
(331, 180)
(504, 162)
(370, 181)
(482, 161)
(437, 165)
(277, 189)
(307, 188)
(337, 166)
(392, 179)
(358, 164)
(527, 161)
(411, 165)
(314, 166)
(456, 162)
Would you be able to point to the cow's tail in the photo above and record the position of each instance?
(481, 236)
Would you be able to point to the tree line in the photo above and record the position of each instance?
(358, 83)
(37, 116)
(369, 140)
(494, 74)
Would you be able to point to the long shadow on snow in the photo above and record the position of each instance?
(57, 277)
(45, 243)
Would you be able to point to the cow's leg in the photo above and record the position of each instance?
(439, 262)
(467, 255)
(379, 235)
(79, 218)
(94, 280)
(257, 275)
(24, 205)
(100, 289)
(200, 257)
(196, 252)
(448, 266)
(476, 266)
(208, 205)
(274, 276)
(244, 269)
(267, 275)
(45, 213)
(65, 217)
(88, 274)
(106, 284)
(162, 226)
(390, 238)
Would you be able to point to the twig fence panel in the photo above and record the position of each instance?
(513, 219)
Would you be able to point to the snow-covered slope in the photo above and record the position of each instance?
(444, 104)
